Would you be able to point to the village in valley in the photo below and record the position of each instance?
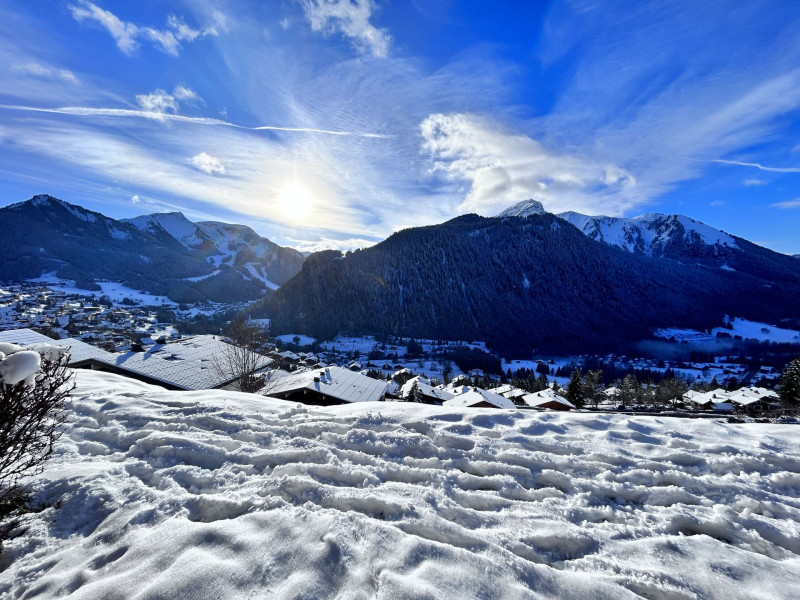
(189, 348)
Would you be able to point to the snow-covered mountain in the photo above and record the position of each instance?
(165, 253)
(224, 244)
(653, 234)
(172, 224)
(525, 208)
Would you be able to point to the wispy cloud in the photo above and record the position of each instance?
(754, 182)
(155, 107)
(127, 34)
(184, 94)
(38, 70)
(350, 18)
(671, 100)
(502, 168)
(788, 204)
(758, 166)
(211, 165)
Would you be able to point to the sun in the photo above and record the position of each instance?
(295, 201)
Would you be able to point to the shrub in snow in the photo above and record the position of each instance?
(34, 383)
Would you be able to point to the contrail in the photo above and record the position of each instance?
(82, 111)
(758, 166)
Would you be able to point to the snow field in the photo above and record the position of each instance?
(226, 495)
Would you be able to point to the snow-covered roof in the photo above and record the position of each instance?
(747, 396)
(335, 382)
(25, 337)
(544, 397)
(81, 351)
(742, 397)
(476, 396)
(186, 364)
(425, 388)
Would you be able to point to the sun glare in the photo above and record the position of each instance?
(295, 202)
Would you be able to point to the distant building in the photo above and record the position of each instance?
(331, 385)
(478, 398)
(547, 399)
(426, 392)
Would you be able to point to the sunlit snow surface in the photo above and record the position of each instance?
(224, 495)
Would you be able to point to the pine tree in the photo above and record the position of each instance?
(790, 385)
(575, 388)
(541, 382)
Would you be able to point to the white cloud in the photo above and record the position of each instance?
(184, 94)
(788, 204)
(38, 70)
(123, 33)
(167, 40)
(163, 103)
(502, 168)
(754, 182)
(135, 199)
(158, 101)
(350, 18)
(208, 164)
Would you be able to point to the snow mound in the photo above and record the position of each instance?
(218, 494)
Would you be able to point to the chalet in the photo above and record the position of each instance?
(402, 376)
(509, 391)
(478, 398)
(289, 359)
(425, 392)
(328, 386)
(547, 399)
(753, 400)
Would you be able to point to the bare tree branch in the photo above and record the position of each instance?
(30, 420)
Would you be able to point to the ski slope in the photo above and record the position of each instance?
(156, 494)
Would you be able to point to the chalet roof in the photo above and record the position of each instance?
(425, 388)
(476, 396)
(80, 351)
(25, 337)
(752, 395)
(186, 364)
(542, 397)
(741, 397)
(335, 382)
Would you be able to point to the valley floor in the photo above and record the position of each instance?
(157, 494)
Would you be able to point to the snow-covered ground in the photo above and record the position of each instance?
(116, 291)
(746, 329)
(303, 340)
(158, 494)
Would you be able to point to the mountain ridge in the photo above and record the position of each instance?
(164, 253)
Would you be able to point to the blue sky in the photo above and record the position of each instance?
(335, 123)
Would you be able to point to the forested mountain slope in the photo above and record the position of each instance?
(519, 283)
